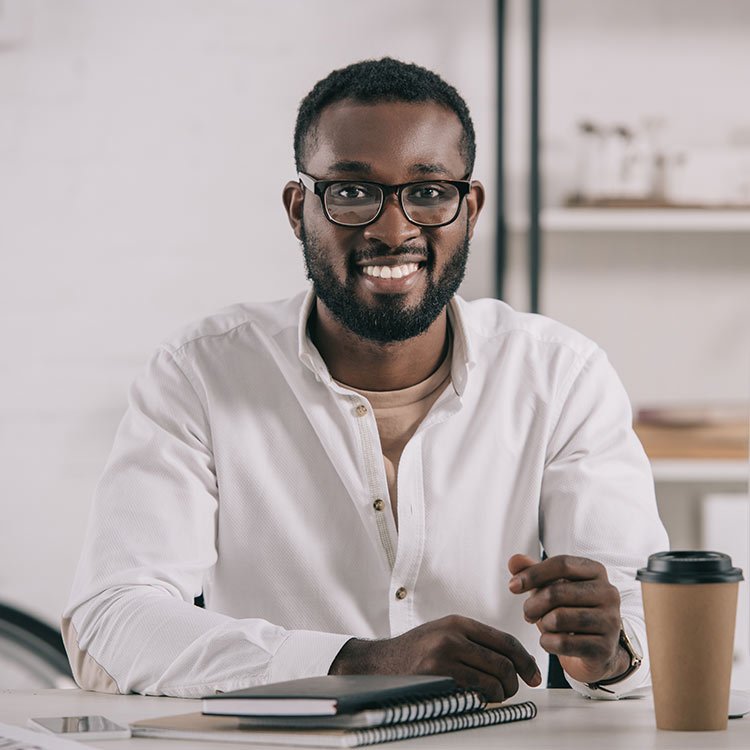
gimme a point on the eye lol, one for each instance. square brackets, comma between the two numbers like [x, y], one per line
[428, 192]
[352, 192]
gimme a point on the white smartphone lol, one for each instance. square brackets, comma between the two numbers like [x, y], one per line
[80, 727]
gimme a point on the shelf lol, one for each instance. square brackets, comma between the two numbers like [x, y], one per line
[637, 220]
[709, 452]
[700, 470]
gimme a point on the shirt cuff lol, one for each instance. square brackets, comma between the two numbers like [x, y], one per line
[635, 681]
[305, 653]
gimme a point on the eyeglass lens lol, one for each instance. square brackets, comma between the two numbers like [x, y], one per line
[427, 203]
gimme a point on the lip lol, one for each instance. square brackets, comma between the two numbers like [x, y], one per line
[392, 260]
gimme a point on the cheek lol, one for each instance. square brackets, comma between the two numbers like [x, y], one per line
[445, 246]
[338, 249]
[331, 242]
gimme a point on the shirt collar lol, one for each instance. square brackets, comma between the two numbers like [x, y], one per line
[463, 350]
[307, 351]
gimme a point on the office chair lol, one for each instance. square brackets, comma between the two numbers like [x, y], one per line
[32, 654]
[555, 674]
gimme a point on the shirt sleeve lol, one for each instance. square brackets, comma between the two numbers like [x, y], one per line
[597, 497]
[130, 624]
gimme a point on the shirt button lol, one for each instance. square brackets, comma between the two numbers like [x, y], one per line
[378, 504]
[361, 410]
[401, 593]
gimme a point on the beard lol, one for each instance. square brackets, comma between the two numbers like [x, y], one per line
[388, 319]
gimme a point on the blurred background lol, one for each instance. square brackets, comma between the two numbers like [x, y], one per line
[144, 145]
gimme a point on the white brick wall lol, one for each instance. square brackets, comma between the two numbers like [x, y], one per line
[143, 148]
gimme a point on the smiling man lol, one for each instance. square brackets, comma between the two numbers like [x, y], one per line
[362, 479]
[390, 279]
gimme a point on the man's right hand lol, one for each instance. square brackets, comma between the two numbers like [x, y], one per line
[475, 655]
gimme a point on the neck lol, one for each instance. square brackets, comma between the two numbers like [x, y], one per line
[374, 366]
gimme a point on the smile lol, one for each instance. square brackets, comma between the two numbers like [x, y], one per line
[391, 278]
[391, 272]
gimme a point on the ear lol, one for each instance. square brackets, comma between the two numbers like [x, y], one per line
[293, 197]
[474, 202]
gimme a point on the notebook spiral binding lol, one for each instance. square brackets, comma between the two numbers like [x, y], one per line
[432, 706]
[451, 723]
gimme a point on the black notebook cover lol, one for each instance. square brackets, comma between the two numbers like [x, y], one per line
[326, 695]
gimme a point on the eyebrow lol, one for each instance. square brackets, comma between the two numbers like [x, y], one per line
[435, 168]
[363, 167]
[360, 167]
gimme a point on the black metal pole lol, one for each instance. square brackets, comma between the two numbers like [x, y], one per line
[535, 239]
[501, 228]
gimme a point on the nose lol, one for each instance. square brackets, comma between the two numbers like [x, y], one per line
[392, 228]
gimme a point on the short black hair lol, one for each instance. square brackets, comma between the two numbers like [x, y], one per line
[384, 80]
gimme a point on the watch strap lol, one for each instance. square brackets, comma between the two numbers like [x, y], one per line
[635, 661]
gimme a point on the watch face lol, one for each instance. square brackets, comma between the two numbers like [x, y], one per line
[627, 644]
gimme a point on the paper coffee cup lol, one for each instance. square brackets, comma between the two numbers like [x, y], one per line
[690, 605]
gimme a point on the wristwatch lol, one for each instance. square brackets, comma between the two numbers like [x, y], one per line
[635, 662]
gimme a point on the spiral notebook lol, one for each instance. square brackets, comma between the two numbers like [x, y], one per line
[389, 712]
[204, 728]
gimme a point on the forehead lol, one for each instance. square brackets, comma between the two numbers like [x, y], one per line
[387, 141]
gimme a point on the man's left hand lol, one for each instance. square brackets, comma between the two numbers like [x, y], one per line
[577, 611]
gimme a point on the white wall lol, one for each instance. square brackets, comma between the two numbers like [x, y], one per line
[143, 148]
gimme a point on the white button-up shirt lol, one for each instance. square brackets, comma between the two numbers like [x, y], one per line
[242, 471]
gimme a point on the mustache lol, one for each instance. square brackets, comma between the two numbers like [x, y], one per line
[379, 250]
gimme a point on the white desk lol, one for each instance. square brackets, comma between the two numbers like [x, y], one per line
[565, 721]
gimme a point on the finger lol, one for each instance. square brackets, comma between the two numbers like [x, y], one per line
[592, 648]
[517, 563]
[474, 679]
[498, 666]
[570, 594]
[553, 569]
[579, 620]
[505, 645]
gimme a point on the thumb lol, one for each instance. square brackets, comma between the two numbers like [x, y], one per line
[517, 563]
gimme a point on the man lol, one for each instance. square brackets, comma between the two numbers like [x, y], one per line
[347, 476]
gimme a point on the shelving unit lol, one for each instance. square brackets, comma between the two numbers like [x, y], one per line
[690, 480]
[540, 220]
[533, 225]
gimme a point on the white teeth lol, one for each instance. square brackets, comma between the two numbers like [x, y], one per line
[390, 272]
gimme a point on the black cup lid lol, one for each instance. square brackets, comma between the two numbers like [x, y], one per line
[689, 566]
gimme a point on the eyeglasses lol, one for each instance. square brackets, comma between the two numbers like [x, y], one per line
[356, 203]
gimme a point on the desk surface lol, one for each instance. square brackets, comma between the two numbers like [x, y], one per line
[565, 720]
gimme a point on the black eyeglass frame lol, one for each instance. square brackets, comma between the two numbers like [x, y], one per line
[319, 187]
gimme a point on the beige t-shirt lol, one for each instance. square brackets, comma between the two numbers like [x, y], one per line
[399, 413]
